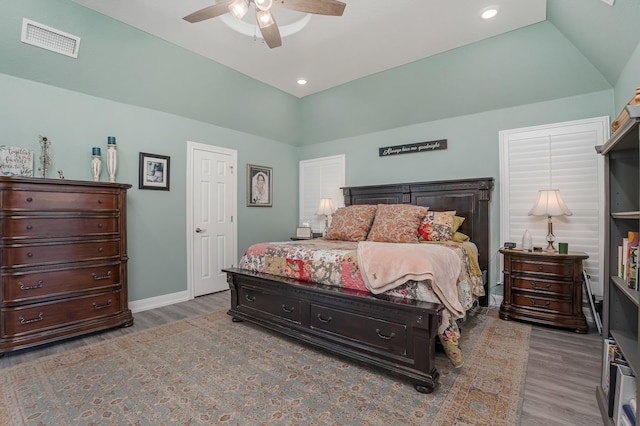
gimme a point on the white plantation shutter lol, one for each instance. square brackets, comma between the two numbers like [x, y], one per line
[556, 156]
[320, 178]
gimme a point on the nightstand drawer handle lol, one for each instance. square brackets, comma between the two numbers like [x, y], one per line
[39, 284]
[29, 227]
[540, 268]
[288, 310]
[538, 305]
[29, 321]
[385, 337]
[98, 307]
[250, 297]
[536, 286]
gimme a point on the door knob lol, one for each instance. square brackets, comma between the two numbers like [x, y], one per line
[198, 230]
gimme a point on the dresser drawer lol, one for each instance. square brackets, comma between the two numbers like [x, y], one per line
[283, 307]
[372, 331]
[561, 288]
[58, 201]
[542, 303]
[27, 287]
[558, 269]
[33, 227]
[44, 254]
[35, 318]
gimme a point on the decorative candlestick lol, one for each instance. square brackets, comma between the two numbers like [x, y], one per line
[96, 164]
[45, 155]
[112, 158]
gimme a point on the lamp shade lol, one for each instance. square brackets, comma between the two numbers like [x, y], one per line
[549, 203]
[325, 207]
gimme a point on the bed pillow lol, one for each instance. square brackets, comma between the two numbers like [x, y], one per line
[396, 223]
[457, 223]
[459, 237]
[437, 226]
[351, 223]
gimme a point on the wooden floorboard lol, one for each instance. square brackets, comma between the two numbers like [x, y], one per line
[562, 374]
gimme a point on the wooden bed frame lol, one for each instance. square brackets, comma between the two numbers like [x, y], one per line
[397, 335]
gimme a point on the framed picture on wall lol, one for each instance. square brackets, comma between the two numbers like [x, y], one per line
[154, 172]
[259, 186]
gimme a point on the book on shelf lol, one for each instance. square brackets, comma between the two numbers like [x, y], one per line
[629, 414]
[631, 259]
[625, 390]
[625, 254]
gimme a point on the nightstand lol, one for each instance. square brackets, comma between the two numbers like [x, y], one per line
[544, 288]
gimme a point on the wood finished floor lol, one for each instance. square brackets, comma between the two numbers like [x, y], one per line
[562, 374]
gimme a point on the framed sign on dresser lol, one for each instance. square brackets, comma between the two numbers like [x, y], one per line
[63, 260]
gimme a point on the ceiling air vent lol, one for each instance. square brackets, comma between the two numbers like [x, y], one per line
[49, 38]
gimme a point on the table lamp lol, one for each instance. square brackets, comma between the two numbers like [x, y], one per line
[550, 203]
[325, 209]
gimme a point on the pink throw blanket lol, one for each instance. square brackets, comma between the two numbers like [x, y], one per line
[385, 266]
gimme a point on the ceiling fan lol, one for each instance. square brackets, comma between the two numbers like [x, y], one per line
[265, 19]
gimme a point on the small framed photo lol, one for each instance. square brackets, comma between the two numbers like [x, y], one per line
[259, 186]
[304, 232]
[154, 172]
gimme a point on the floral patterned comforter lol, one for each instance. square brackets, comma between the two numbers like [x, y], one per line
[336, 263]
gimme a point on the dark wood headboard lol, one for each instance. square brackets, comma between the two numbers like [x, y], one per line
[468, 197]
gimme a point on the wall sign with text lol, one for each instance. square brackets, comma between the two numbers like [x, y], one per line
[412, 148]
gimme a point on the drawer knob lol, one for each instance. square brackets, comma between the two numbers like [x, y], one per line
[29, 199]
[97, 277]
[98, 307]
[100, 201]
[540, 305]
[22, 286]
[100, 249]
[99, 226]
[29, 254]
[324, 320]
[287, 309]
[29, 227]
[540, 268]
[29, 321]
[537, 286]
[250, 297]
[385, 337]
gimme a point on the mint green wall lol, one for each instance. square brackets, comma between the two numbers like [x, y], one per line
[625, 88]
[124, 64]
[473, 148]
[75, 122]
[533, 64]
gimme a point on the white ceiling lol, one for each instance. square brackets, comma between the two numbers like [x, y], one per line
[371, 36]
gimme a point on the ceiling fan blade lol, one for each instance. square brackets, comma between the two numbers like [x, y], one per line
[209, 12]
[271, 35]
[318, 7]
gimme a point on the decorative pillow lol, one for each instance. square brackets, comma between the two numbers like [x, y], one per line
[351, 223]
[396, 223]
[459, 237]
[437, 226]
[457, 223]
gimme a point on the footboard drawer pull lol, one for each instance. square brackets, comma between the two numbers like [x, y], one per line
[540, 305]
[324, 320]
[250, 297]
[103, 277]
[382, 336]
[29, 321]
[22, 286]
[288, 310]
[98, 307]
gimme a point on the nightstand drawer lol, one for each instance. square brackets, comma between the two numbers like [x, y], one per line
[561, 288]
[558, 269]
[542, 303]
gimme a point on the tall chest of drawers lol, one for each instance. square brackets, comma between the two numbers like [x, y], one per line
[544, 288]
[63, 260]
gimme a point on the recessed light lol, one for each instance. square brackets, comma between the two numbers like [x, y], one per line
[302, 81]
[489, 12]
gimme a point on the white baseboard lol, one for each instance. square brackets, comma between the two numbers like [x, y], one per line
[158, 301]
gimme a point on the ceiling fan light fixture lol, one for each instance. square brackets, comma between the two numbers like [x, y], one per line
[263, 4]
[265, 19]
[239, 8]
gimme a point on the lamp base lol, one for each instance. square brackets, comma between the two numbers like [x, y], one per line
[550, 238]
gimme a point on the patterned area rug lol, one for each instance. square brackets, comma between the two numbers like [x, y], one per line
[208, 370]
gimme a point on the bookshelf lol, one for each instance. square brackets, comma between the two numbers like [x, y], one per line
[621, 310]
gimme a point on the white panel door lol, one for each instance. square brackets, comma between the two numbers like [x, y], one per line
[213, 233]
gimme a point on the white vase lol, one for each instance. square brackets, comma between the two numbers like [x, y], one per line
[112, 162]
[527, 243]
[96, 167]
